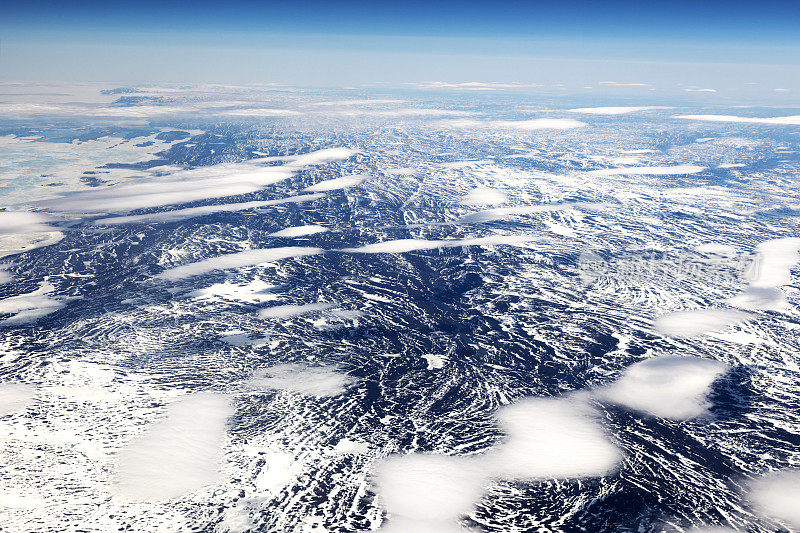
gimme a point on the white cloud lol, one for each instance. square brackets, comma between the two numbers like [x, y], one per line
[472, 85]
[551, 437]
[484, 196]
[774, 263]
[540, 124]
[357, 102]
[237, 260]
[429, 487]
[771, 270]
[545, 438]
[14, 397]
[777, 496]
[215, 181]
[260, 112]
[145, 111]
[698, 321]
[693, 90]
[337, 183]
[502, 213]
[322, 157]
[21, 231]
[409, 245]
[191, 212]
[28, 308]
[177, 455]
[23, 222]
[141, 111]
[399, 113]
[617, 84]
[527, 125]
[288, 310]
[615, 110]
[319, 381]
[793, 120]
[5, 275]
[668, 387]
[764, 298]
[187, 186]
[648, 171]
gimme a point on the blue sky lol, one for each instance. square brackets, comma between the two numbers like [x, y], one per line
[729, 20]
[334, 43]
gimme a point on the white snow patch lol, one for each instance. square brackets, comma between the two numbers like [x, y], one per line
[540, 124]
[401, 524]
[560, 229]
[716, 249]
[14, 498]
[316, 381]
[347, 446]
[299, 231]
[15, 397]
[400, 171]
[255, 291]
[434, 361]
[289, 310]
[279, 470]
[240, 338]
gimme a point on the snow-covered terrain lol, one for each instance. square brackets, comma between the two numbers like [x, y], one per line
[254, 309]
